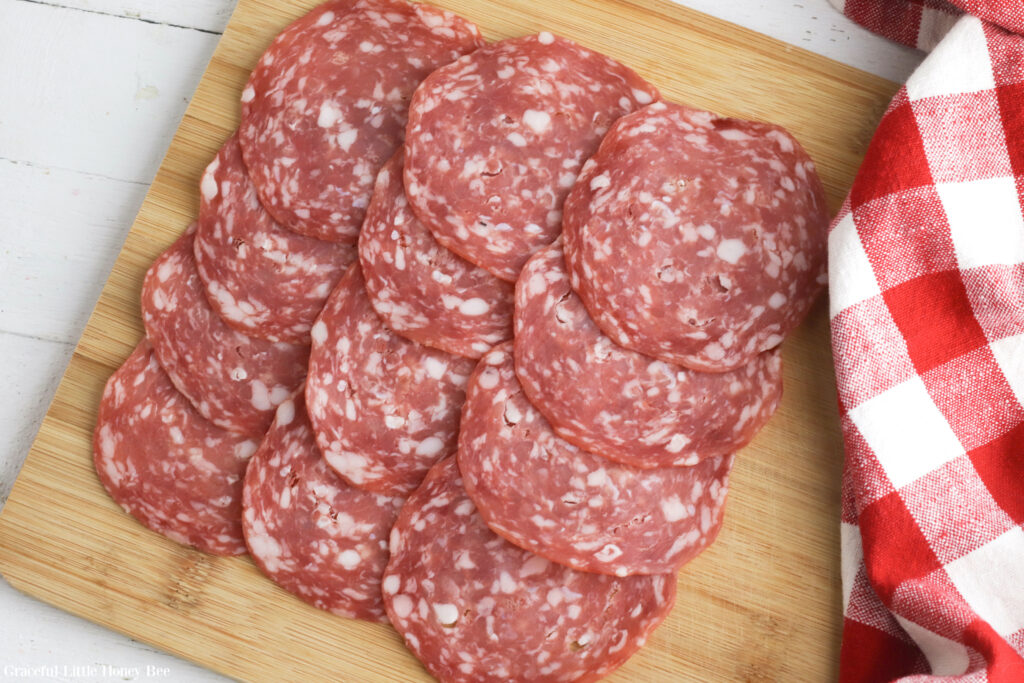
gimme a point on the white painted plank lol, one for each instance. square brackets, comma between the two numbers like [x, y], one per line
[204, 15]
[41, 643]
[91, 92]
[64, 230]
[817, 26]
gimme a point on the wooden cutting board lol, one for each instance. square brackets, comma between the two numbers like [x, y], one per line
[762, 604]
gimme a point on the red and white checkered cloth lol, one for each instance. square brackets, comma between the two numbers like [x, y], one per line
[923, 23]
[927, 304]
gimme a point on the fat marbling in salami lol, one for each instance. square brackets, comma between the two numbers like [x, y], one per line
[579, 509]
[326, 106]
[308, 530]
[476, 609]
[263, 280]
[235, 381]
[697, 239]
[422, 290]
[167, 465]
[496, 139]
[384, 409]
[621, 404]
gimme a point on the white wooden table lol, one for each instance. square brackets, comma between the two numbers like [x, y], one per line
[91, 92]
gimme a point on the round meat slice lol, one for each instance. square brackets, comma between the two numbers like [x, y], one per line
[165, 464]
[235, 381]
[477, 609]
[621, 404]
[495, 141]
[581, 510]
[696, 239]
[422, 290]
[384, 409]
[263, 280]
[308, 530]
[327, 104]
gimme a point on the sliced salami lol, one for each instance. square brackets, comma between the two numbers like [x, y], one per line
[165, 464]
[582, 510]
[621, 404]
[696, 239]
[234, 380]
[384, 409]
[475, 608]
[422, 290]
[308, 530]
[495, 141]
[261, 279]
[327, 103]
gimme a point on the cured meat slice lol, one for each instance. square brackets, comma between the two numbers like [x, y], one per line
[495, 141]
[327, 103]
[621, 404]
[582, 510]
[696, 239]
[235, 381]
[384, 409]
[261, 279]
[308, 530]
[422, 290]
[165, 464]
[475, 608]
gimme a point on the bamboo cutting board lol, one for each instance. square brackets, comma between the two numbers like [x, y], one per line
[762, 604]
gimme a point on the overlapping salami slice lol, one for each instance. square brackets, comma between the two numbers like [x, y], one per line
[696, 239]
[422, 290]
[495, 141]
[308, 530]
[580, 510]
[621, 404]
[234, 380]
[165, 464]
[326, 106]
[384, 409]
[262, 280]
[477, 609]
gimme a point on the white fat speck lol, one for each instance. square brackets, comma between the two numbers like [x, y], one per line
[446, 613]
[176, 435]
[474, 306]
[285, 413]
[319, 332]
[325, 18]
[516, 139]
[506, 72]
[302, 213]
[349, 559]
[677, 443]
[545, 38]
[512, 414]
[260, 396]
[366, 46]
[329, 114]
[731, 251]
[391, 584]
[777, 300]
[507, 583]
[488, 379]
[402, 606]
[394, 421]
[248, 95]
[673, 509]
[597, 477]
[600, 181]
[642, 96]
[208, 186]
[429, 447]
[608, 553]
[538, 121]
[733, 134]
[535, 565]
[435, 368]
[346, 138]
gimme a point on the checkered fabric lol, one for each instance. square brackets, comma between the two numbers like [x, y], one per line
[927, 308]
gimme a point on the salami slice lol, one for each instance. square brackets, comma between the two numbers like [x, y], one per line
[621, 404]
[495, 141]
[422, 290]
[696, 239]
[581, 510]
[327, 103]
[308, 530]
[165, 464]
[384, 409]
[477, 609]
[235, 381]
[261, 279]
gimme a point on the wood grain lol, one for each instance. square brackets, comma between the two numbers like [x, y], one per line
[762, 604]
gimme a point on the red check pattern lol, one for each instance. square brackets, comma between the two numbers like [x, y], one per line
[927, 306]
